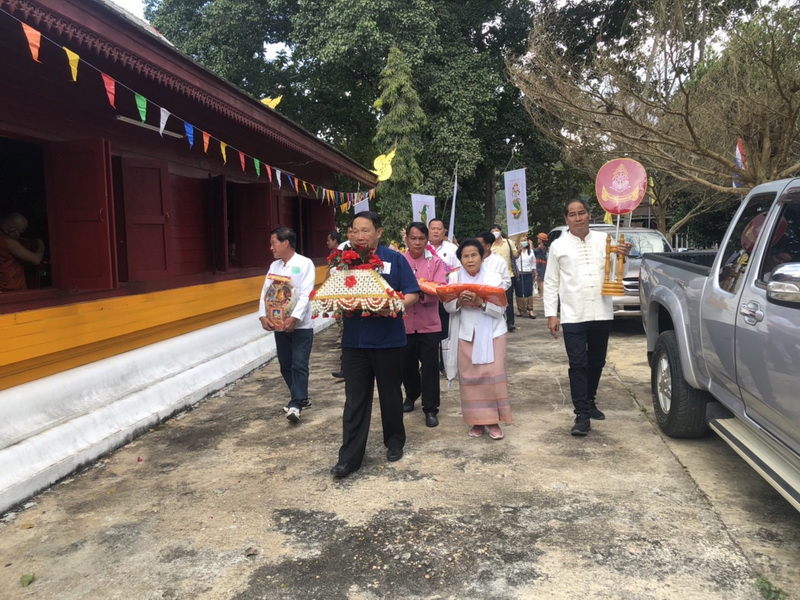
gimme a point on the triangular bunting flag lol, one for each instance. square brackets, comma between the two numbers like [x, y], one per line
[111, 89]
[223, 147]
[296, 186]
[206, 139]
[34, 40]
[73, 59]
[163, 121]
[141, 104]
[305, 188]
[189, 133]
[278, 176]
[269, 173]
[241, 159]
[257, 165]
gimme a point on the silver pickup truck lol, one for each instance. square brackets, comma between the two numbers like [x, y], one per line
[723, 336]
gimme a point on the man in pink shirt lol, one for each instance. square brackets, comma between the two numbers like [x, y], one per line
[423, 328]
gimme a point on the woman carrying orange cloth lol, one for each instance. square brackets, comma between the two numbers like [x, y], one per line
[478, 329]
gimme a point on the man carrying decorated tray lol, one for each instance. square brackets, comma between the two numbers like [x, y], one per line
[373, 347]
[285, 309]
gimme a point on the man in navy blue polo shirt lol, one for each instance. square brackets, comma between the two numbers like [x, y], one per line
[372, 351]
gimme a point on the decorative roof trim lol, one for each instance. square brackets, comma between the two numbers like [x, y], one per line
[46, 20]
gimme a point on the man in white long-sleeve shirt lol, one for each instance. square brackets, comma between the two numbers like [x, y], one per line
[294, 333]
[574, 275]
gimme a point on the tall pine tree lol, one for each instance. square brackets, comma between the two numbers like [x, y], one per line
[399, 127]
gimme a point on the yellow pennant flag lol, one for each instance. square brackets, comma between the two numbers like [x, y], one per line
[223, 147]
[272, 102]
[73, 62]
[608, 219]
[383, 166]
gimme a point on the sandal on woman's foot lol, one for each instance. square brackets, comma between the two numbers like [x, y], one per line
[532, 316]
[495, 432]
[476, 430]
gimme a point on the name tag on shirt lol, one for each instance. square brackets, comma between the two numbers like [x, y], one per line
[387, 268]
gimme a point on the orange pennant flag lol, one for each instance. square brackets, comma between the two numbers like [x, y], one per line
[73, 59]
[206, 139]
[223, 147]
[111, 88]
[34, 40]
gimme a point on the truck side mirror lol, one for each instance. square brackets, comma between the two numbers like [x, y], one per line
[784, 284]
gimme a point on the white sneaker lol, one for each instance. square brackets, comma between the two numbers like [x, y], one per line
[293, 415]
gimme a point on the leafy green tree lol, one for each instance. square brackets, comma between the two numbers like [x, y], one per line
[660, 103]
[329, 73]
[398, 129]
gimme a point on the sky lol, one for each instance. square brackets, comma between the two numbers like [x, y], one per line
[132, 6]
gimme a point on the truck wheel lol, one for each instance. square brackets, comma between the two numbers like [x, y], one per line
[679, 408]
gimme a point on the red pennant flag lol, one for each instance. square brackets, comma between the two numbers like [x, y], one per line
[241, 159]
[34, 40]
[269, 172]
[206, 139]
[111, 89]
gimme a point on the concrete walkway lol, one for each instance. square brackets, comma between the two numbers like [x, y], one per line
[230, 501]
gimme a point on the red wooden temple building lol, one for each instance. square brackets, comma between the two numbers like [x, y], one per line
[154, 185]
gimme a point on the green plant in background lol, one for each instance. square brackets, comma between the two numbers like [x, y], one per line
[769, 591]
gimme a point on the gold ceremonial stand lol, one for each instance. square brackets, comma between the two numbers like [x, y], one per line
[614, 288]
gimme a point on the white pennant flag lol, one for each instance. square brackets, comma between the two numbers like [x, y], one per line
[278, 175]
[451, 231]
[164, 117]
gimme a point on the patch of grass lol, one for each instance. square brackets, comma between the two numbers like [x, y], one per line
[768, 591]
[643, 408]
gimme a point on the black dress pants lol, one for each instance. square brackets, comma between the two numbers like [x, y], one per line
[363, 367]
[421, 369]
[586, 344]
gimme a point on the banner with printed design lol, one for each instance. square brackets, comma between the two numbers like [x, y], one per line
[423, 208]
[516, 202]
[361, 206]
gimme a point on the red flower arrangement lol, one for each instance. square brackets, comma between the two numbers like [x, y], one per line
[355, 257]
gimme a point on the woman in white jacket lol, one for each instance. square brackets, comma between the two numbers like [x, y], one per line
[477, 329]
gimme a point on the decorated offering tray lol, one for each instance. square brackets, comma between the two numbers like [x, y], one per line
[352, 291]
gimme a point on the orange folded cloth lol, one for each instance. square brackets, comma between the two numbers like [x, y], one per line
[489, 293]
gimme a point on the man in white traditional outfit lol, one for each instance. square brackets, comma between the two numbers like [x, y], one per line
[574, 279]
[294, 333]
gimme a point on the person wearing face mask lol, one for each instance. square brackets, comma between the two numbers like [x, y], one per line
[508, 252]
[541, 261]
[523, 286]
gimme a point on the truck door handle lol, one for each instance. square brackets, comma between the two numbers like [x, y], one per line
[751, 312]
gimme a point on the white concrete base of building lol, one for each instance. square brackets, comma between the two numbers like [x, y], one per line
[53, 426]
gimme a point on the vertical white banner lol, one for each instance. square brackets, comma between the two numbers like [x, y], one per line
[361, 206]
[451, 230]
[423, 208]
[516, 202]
